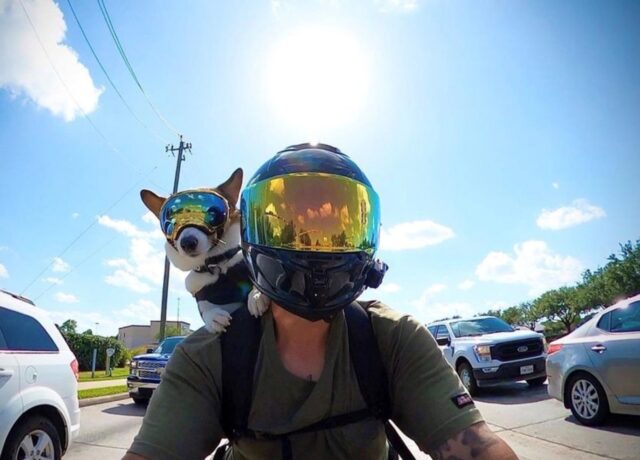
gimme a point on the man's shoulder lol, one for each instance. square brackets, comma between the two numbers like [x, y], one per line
[200, 343]
[384, 316]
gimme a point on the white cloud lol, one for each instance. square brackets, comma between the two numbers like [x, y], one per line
[4, 273]
[25, 68]
[143, 268]
[142, 311]
[65, 298]
[59, 265]
[466, 285]
[52, 280]
[75, 215]
[427, 294]
[414, 235]
[127, 280]
[150, 218]
[396, 6]
[127, 228]
[389, 287]
[555, 185]
[579, 212]
[533, 264]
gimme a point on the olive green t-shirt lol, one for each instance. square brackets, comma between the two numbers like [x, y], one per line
[183, 418]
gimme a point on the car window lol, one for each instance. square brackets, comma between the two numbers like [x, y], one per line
[432, 329]
[442, 333]
[605, 322]
[479, 326]
[166, 347]
[626, 319]
[23, 333]
[3, 343]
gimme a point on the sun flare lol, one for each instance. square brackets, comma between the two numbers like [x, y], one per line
[317, 78]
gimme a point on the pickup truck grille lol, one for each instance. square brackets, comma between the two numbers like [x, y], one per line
[147, 369]
[519, 349]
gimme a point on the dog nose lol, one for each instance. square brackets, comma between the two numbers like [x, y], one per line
[189, 243]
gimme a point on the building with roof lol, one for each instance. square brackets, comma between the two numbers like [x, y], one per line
[135, 335]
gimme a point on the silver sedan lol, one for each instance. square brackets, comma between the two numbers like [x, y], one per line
[595, 369]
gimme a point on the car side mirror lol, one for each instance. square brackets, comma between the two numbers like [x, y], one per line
[444, 341]
[149, 350]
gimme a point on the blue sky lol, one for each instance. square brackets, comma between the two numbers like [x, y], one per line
[502, 137]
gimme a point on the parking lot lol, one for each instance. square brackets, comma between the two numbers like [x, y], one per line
[536, 426]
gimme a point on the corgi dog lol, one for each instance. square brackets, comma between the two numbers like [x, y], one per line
[202, 229]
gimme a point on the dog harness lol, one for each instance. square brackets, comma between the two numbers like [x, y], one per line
[240, 345]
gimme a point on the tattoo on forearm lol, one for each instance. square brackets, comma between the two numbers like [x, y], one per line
[471, 443]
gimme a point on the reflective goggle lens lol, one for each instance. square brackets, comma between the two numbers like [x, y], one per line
[311, 212]
[196, 208]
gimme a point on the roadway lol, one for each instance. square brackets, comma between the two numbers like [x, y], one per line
[536, 426]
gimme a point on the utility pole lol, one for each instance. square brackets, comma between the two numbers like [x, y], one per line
[165, 282]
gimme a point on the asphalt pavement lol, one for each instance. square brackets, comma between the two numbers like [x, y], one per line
[536, 426]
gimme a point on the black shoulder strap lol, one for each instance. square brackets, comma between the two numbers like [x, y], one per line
[239, 347]
[370, 372]
[366, 360]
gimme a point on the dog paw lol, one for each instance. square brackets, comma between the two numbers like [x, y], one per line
[257, 303]
[216, 320]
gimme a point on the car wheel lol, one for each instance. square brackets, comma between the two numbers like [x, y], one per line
[33, 438]
[140, 401]
[587, 400]
[537, 382]
[465, 372]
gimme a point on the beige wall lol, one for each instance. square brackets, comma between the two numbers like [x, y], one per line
[136, 335]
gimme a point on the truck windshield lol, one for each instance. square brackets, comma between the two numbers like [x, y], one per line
[480, 326]
[167, 346]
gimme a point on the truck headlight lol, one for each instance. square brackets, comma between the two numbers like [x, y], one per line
[483, 352]
[133, 365]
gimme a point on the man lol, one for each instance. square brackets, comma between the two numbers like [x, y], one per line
[310, 228]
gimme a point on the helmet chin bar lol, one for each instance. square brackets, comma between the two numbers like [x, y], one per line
[314, 286]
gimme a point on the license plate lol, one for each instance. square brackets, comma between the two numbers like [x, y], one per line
[524, 370]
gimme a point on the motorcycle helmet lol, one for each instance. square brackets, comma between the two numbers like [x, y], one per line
[310, 230]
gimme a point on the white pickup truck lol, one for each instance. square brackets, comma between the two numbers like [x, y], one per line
[486, 351]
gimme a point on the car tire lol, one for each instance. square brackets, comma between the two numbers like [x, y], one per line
[587, 399]
[538, 382]
[141, 401]
[39, 432]
[465, 372]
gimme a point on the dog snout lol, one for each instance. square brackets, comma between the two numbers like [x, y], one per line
[189, 243]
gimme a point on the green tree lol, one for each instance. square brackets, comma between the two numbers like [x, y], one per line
[564, 305]
[69, 326]
[88, 332]
[497, 313]
[513, 315]
[170, 331]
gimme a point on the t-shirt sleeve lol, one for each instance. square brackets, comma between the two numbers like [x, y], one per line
[182, 420]
[423, 387]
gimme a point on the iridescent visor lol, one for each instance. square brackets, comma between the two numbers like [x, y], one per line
[311, 212]
[202, 209]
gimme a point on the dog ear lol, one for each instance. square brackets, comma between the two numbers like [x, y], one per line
[231, 188]
[152, 201]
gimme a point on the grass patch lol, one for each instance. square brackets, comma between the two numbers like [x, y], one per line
[118, 373]
[106, 391]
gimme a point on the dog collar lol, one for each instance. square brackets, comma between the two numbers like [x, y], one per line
[211, 263]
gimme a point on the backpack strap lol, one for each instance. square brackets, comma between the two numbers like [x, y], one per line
[370, 372]
[366, 360]
[239, 348]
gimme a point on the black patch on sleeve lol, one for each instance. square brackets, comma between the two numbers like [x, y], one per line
[462, 400]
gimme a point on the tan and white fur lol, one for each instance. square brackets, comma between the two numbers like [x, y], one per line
[193, 247]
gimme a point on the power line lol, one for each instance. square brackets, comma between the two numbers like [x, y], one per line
[95, 55]
[83, 232]
[123, 55]
[70, 94]
[76, 266]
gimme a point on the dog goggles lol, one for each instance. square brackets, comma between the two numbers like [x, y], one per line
[311, 212]
[203, 209]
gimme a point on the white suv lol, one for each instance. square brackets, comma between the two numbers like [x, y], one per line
[486, 351]
[39, 412]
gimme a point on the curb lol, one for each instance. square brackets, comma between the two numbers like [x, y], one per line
[103, 399]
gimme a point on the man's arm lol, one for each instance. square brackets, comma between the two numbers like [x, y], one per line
[477, 442]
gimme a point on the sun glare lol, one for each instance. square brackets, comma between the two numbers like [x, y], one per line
[317, 78]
